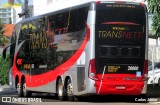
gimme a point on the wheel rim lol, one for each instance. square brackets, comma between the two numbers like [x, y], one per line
[60, 90]
[18, 87]
[70, 89]
[24, 88]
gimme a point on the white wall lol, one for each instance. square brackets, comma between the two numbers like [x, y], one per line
[150, 21]
[39, 7]
[14, 14]
[43, 6]
[18, 10]
[153, 42]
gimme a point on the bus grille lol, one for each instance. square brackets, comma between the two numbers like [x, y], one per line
[117, 55]
[115, 51]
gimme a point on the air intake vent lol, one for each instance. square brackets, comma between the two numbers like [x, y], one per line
[114, 51]
[121, 52]
[103, 50]
[135, 51]
[124, 51]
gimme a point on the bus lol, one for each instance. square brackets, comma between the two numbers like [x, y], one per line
[93, 48]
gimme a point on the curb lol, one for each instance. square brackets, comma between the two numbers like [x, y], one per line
[155, 103]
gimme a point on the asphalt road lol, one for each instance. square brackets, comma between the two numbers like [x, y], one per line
[50, 99]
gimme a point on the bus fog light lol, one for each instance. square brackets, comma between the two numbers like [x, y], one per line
[92, 75]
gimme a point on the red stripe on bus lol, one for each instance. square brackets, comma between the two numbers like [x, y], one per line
[120, 23]
[50, 76]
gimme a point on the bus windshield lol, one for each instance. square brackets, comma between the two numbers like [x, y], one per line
[120, 37]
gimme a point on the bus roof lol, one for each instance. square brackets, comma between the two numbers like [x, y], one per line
[56, 8]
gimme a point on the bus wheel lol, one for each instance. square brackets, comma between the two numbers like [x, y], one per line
[19, 90]
[26, 93]
[60, 90]
[70, 95]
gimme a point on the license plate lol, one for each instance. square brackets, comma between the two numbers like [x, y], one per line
[120, 87]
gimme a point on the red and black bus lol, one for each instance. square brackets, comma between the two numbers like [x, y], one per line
[91, 48]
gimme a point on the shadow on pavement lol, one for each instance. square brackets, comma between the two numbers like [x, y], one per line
[7, 90]
[153, 91]
[114, 98]
[3, 103]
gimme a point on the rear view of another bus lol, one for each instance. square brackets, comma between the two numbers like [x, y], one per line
[120, 48]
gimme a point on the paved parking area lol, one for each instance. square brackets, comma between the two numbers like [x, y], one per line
[6, 89]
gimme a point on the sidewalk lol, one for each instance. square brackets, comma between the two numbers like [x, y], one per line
[4, 89]
[155, 103]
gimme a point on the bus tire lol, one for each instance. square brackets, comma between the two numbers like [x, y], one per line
[70, 95]
[19, 90]
[159, 82]
[26, 93]
[60, 90]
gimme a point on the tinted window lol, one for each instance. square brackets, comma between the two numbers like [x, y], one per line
[70, 21]
[120, 13]
[120, 23]
[48, 41]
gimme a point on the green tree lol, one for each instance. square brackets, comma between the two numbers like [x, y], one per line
[4, 63]
[4, 70]
[3, 38]
[156, 24]
[154, 7]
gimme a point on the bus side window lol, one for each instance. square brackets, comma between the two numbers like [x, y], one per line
[81, 18]
[60, 23]
[72, 20]
[77, 19]
[24, 32]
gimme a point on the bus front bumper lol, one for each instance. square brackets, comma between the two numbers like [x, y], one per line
[120, 88]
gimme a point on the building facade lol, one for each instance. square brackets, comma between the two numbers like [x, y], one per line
[9, 15]
[6, 14]
[11, 2]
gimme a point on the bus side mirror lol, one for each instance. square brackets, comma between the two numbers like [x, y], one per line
[4, 51]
